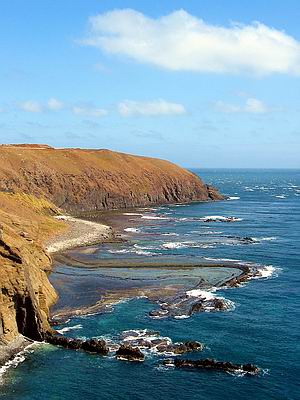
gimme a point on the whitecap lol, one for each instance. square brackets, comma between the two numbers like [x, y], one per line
[129, 213]
[266, 272]
[132, 230]
[153, 217]
[174, 245]
[219, 218]
[69, 328]
[201, 294]
[18, 359]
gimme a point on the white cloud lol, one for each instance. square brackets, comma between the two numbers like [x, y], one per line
[89, 111]
[251, 105]
[180, 41]
[54, 104]
[150, 108]
[31, 106]
[255, 106]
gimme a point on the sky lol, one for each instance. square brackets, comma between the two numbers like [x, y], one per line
[203, 83]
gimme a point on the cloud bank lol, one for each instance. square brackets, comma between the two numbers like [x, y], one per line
[149, 108]
[251, 105]
[182, 42]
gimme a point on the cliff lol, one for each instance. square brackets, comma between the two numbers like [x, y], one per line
[77, 179]
[26, 293]
[36, 181]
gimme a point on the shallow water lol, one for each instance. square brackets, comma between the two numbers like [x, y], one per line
[262, 329]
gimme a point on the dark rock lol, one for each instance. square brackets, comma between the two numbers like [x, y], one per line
[91, 345]
[213, 365]
[127, 352]
[95, 346]
[180, 348]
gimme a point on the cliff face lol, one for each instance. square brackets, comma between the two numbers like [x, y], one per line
[84, 180]
[26, 292]
[34, 180]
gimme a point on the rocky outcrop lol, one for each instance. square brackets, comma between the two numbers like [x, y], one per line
[90, 345]
[211, 364]
[129, 353]
[26, 293]
[85, 180]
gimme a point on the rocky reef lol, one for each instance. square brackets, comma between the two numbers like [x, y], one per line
[211, 364]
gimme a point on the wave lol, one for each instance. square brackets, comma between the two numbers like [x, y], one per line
[69, 328]
[153, 217]
[202, 294]
[264, 239]
[18, 359]
[170, 234]
[233, 198]
[137, 251]
[132, 230]
[183, 245]
[268, 271]
[129, 213]
[219, 218]
[281, 196]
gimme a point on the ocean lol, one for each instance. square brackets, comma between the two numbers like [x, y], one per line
[261, 326]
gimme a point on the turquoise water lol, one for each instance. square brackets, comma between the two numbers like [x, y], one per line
[262, 329]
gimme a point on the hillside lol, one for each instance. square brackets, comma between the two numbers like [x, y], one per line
[77, 179]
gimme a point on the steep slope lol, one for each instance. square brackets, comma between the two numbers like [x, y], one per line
[26, 292]
[77, 179]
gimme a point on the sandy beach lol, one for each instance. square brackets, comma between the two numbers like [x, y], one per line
[80, 233]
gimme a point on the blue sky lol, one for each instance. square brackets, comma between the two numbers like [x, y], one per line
[203, 83]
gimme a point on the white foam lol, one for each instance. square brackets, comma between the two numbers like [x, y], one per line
[233, 198]
[69, 328]
[266, 272]
[220, 218]
[133, 230]
[184, 316]
[264, 239]
[153, 217]
[174, 245]
[201, 294]
[129, 213]
[170, 234]
[18, 359]
[128, 251]
[281, 196]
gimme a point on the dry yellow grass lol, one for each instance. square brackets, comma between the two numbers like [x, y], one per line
[30, 214]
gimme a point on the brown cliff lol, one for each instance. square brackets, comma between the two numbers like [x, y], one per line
[77, 179]
[26, 293]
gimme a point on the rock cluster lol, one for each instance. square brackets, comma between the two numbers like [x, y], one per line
[129, 353]
[211, 364]
[90, 345]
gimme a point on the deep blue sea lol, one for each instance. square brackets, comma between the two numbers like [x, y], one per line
[262, 328]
